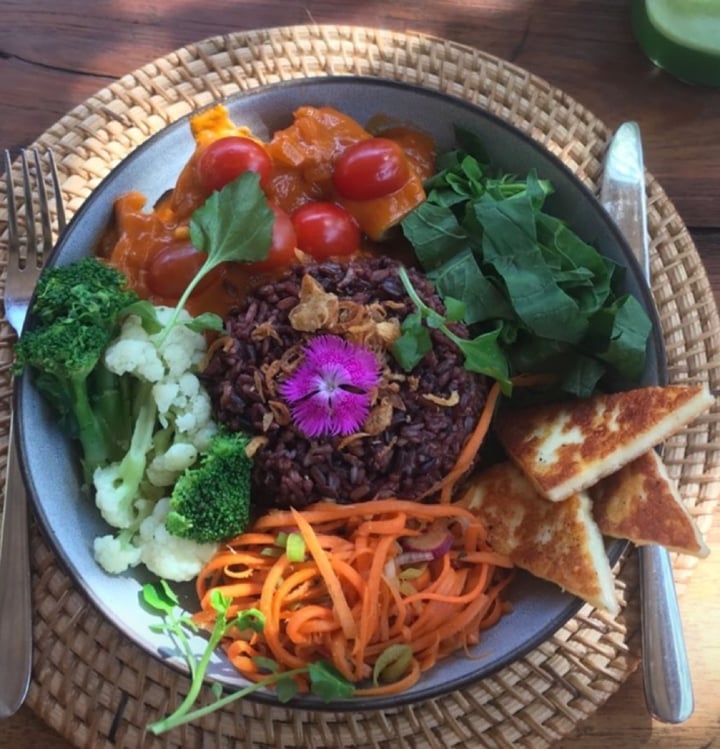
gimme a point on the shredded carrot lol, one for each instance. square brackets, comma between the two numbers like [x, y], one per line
[466, 460]
[469, 452]
[358, 590]
[342, 609]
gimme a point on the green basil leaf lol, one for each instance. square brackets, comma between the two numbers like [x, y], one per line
[413, 344]
[461, 278]
[627, 342]
[580, 268]
[529, 353]
[510, 246]
[484, 355]
[550, 300]
[454, 309]
[435, 233]
[581, 375]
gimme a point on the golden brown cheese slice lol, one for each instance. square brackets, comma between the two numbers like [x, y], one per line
[640, 503]
[566, 447]
[556, 541]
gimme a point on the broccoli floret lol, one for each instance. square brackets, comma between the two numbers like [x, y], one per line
[87, 291]
[75, 314]
[211, 502]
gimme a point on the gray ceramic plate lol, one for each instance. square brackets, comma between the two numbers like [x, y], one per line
[50, 464]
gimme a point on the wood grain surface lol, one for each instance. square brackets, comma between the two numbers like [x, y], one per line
[54, 54]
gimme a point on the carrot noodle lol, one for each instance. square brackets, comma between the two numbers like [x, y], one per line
[342, 608]
[470, 449]
[357, 592]
[466, 460]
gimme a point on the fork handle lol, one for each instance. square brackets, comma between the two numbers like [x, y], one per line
[15, 591]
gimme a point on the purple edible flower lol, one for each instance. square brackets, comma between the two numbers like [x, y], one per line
[330, 391]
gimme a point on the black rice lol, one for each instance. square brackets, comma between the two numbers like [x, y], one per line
[423, 439]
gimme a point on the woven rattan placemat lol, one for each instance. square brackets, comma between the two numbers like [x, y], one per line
[99, 690]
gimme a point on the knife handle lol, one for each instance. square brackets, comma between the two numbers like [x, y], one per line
[667, 680]
[15, 591]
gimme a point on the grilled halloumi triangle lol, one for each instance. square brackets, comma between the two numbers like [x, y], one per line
[556, 541]
[566, 447]
[640, 503]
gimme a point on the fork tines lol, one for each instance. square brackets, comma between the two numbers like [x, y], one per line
[31, 251]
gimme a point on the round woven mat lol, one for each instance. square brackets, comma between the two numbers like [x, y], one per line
[98, 689]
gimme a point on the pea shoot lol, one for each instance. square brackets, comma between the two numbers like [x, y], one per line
[325, 681]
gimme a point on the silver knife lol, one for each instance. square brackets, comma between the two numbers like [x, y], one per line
[15, 591]
[666, 673]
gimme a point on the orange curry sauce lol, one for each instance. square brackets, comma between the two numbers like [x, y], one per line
[302, 156]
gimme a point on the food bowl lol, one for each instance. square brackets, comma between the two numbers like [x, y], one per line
[49, 461]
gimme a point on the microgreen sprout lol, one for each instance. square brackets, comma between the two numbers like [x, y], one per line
[325, 681]
[233, 224]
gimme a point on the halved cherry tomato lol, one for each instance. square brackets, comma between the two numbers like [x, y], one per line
[171, 269]
[282, 247]
[325, 229]
[225, 159]
[371, 169]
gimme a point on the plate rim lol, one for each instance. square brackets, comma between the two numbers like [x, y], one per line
[308, 701]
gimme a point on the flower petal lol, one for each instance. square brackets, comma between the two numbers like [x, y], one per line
[348, 412]
[312, 416]
[329, 392]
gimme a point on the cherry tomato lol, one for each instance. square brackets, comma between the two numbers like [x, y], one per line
[325, 229]
[171, 269]
[370, 169]
[225, 159]
[282, 246]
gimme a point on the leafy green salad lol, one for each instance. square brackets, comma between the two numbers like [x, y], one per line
[536, 297]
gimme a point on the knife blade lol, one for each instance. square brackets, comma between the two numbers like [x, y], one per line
[666, 673]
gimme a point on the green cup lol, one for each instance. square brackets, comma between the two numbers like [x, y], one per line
[681, 36]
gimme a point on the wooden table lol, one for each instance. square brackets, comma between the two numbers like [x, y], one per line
[56, 53]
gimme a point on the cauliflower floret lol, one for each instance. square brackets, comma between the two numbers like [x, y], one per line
[178, 425]
[165, 468]
[201, 437]
[170, 557]
[185, 404]
[183, 349]
[194, 414]
[165, 394]
[115, 554]
[116, 508]
[133, 351]
[148, 542]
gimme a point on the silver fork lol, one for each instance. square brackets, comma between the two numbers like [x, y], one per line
[26, 255]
